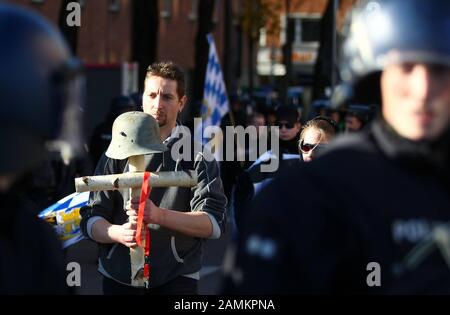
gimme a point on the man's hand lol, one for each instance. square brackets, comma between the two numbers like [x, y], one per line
[126, 234]
[107, 233]
[196, 224]
[152, 213]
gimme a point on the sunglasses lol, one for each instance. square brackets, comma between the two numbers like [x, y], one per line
[287, 125]
[309, 147]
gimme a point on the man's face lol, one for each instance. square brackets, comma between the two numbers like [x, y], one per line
[416, 100]
[161, 100]
[271, 119]
[258, 121]
[334, 115]
[288, 130]
[352, 123]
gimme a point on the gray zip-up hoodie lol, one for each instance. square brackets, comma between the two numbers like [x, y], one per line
[172, 253]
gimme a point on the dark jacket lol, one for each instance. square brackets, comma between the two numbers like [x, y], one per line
[374, 197]
[31, 257]
[100, 140]
[172, 253]
[252, 180]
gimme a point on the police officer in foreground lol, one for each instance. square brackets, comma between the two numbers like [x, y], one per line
[385, 229]
[40, 89]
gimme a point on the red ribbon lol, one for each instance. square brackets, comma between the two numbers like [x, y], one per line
[147, 254]
[145, 193]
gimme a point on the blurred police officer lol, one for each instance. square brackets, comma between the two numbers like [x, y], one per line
[383, 229]
[39, 86]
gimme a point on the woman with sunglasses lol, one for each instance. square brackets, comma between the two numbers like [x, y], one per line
[315, 136]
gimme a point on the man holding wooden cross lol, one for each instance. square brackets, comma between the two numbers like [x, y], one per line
[186, 216]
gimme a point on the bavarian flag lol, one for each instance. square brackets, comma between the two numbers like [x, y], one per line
[65, 217]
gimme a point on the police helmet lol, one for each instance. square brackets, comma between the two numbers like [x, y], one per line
[382, 33]
[41, 86]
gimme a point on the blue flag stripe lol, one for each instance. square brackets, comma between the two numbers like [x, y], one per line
[215, 98]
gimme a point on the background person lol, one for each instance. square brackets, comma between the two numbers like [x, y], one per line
[187, 217]
[314, 137]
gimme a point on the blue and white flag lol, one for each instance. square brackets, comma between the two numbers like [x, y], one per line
[65, 217]
[215, 98]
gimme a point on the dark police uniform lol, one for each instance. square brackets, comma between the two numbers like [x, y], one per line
[374, 198]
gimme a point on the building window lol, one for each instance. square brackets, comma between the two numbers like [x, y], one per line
[194, 9]
[310, 30]
[302, 29]
[166, 12]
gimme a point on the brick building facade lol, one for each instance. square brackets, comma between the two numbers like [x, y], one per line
[105, 33]
[303, 19]
[105, 38]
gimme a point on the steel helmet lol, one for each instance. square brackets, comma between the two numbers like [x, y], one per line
[40, 91]
[134, 133]
[382, 33]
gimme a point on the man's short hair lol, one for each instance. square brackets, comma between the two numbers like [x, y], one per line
[171, 71]
[256, 114]
[287, 113]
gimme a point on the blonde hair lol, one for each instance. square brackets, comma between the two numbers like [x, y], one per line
[326, 129]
